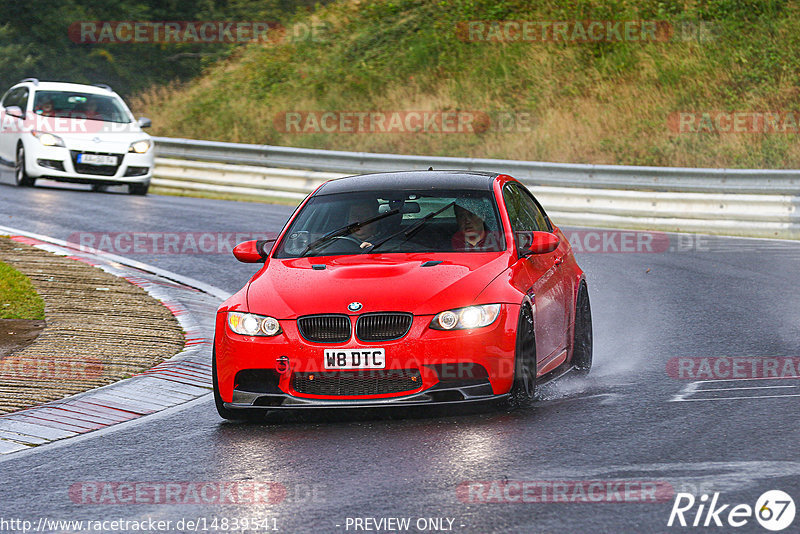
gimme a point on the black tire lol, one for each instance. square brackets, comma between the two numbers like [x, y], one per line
[582, 336]
[20, 176]
[138, 189]
[523, 391]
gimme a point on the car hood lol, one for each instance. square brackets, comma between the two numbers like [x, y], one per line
[289, 288]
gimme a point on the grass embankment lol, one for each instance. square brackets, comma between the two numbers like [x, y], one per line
[599, 102]
[18, 298]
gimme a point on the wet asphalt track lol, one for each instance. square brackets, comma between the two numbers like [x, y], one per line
[721, 297]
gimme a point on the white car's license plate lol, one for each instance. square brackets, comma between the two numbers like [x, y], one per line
[355, 358]
[97, 159]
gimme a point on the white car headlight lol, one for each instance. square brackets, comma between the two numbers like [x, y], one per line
[466, 318]
[250, 324]
[48, 139]
[140, 147]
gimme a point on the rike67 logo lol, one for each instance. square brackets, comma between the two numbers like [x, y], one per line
[774, 510]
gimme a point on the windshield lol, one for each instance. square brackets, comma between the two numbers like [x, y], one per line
[394, 221]
[80, 106]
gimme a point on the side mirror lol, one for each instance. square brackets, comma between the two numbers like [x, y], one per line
[15, 111]
[253, 251]
[144, 122]
[541, 243]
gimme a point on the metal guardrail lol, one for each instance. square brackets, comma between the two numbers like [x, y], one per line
[757, 203]
[243, 179]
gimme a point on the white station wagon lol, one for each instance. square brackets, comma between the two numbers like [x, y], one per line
[74, 133]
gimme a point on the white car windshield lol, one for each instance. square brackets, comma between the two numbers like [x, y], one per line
[80, 106]
[394, 221]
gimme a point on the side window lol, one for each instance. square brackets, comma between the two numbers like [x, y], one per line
[521, 221]
[536, 210]
[522, 211]
[16, 97]
[524, 214]
[23, 99]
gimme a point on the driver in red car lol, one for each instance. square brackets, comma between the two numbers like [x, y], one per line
[362, 211]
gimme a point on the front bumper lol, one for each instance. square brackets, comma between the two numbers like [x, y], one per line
[458, 366]
[60, 163]
[435, 395]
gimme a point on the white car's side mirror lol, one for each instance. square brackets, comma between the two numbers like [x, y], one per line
[15, 111]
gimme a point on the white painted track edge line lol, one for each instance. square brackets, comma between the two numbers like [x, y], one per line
[107, 430]
[736, 398]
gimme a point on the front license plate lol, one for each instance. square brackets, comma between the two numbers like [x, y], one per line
[97, 159]
[355, 358]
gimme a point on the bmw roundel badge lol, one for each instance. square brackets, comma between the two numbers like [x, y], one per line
[354, 306]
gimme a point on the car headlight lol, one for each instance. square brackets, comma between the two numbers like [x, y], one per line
[249, 324]
[48, 139]
[140, 147]
[466, 318]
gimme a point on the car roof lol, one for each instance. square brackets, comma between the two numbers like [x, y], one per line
[65, 86]
[417, 180]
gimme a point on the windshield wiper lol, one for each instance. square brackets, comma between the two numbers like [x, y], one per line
[345, 230]
[408, 233]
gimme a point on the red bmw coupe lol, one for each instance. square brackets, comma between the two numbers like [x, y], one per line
[402, 289]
